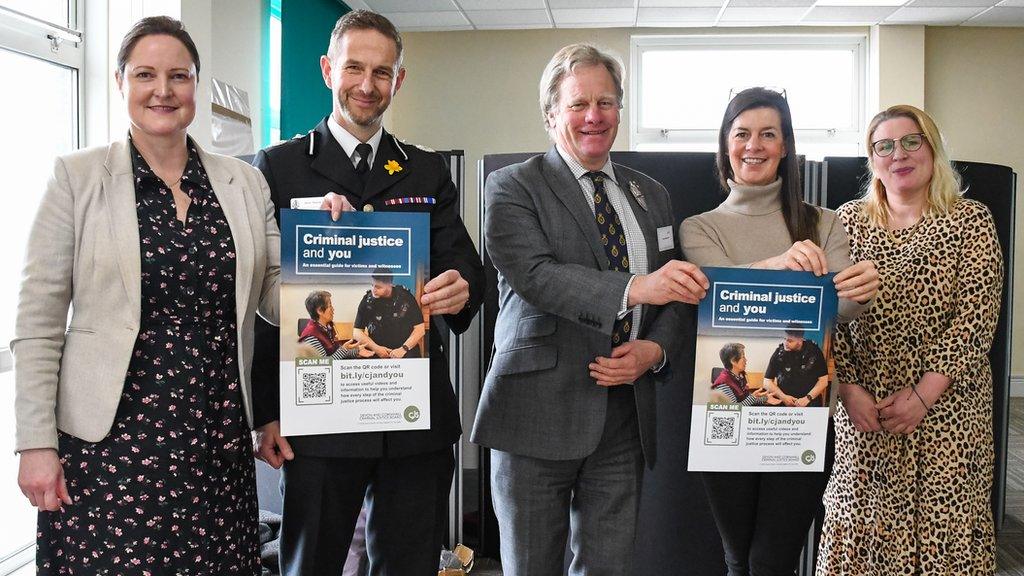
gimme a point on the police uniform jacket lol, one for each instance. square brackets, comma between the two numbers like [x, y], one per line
[312, 166]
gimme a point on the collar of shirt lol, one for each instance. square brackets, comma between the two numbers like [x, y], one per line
[143, 172]
[578, 170]
[349, 142]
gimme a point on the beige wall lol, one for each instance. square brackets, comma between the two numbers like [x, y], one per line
[478, 91]
[974, 83]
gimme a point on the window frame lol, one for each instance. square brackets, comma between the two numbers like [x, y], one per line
[55, 44]
[62, 46]
[685, 138]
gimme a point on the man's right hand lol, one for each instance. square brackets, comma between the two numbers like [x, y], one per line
[41, 479]
[271, 447]
[676, 281]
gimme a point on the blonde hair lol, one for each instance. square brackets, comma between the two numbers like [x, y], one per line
[945, 188]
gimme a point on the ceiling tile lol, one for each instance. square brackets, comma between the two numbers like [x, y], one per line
[933, 16]
[771, 3]
[676, 16]
[468, 5]
[589, 4]
[583, 18]
[391, 6]
[952, 3]
[999, 16]
[762, 15]
[861, 3]
[1011, 3]
[409, 20]
[848, 15]
[509, 18]
[681, 3]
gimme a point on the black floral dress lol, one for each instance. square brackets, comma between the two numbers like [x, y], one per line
[171, 489]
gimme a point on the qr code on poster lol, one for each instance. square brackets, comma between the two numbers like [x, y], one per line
[313, 384]
[722, 428]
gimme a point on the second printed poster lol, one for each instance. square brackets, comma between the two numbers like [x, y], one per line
[353, 335]
[763, 372]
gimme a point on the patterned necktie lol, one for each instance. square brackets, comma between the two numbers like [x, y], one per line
[613, 238]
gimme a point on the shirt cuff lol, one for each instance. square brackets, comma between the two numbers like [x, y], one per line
[625, 308]
[664, 360]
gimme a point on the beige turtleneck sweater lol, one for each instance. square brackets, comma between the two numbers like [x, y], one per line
[748, 227]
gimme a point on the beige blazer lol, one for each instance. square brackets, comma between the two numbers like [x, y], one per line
[83, 251]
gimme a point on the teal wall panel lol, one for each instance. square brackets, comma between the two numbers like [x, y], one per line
[305, 32]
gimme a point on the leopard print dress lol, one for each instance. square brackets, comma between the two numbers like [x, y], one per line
[919, 503]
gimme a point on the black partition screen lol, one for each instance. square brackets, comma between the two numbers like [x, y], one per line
[676, 532]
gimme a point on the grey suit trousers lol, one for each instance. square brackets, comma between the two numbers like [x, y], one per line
[537, 501]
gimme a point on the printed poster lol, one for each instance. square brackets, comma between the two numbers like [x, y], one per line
[354, 354]
[763, 374]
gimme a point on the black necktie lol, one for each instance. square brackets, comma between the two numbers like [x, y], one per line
[364, 150]
[613, 238]
[363, 167]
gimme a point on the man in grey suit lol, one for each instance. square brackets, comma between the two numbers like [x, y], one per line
[590, 315]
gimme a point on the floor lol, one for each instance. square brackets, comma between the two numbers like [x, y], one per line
[1010, 542]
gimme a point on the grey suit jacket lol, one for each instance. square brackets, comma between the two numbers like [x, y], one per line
[558, 303]
[83, 251]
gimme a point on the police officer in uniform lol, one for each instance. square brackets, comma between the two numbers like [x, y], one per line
[388, 320]
[405, 476]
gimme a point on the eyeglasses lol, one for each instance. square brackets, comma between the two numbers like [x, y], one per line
[887, 146]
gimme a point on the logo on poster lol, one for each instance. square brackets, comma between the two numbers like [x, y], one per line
[412, 414]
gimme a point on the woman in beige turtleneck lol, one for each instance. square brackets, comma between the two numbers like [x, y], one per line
[763, 518]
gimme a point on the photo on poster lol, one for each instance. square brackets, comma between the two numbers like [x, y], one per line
[763, 373]
[353, 344]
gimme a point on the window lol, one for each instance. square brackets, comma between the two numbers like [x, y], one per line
[680, 86]
[41, 53]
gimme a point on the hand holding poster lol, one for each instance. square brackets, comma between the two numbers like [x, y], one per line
[353, 335]
[762, 378]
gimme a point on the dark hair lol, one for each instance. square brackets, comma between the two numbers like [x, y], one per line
[801, 219]
[154, 25]
[383, 275]
[316, 301]
[364, 20]
[731, 352]
[795, 331]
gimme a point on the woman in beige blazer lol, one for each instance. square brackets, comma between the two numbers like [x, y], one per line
[133, 423]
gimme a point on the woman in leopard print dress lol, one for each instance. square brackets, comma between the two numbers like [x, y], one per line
[910, 488]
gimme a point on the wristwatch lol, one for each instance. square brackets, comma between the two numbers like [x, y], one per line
[406, 348]
[809, 398]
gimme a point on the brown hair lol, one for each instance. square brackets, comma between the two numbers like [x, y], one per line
[155, 25]
[801, 218]
[364, 20]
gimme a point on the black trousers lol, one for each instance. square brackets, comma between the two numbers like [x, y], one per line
[763, 517]
[406, 499]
